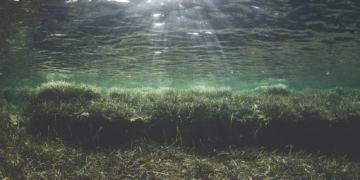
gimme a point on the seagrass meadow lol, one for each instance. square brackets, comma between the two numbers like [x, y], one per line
[67, 130]
[180, 89]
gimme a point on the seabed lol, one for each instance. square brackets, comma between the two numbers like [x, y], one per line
[65, 130]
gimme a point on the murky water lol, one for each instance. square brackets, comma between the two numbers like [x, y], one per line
[236, 43]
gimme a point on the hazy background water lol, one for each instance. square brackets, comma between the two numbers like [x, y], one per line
[137, 43]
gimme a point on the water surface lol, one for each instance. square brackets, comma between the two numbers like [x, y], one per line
[235, 43]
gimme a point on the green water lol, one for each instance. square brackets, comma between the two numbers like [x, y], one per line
[240, 44]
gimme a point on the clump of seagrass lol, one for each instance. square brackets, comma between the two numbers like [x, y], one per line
[273, 116]
[61, 108]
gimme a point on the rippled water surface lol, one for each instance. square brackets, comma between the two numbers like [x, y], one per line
[136, 43]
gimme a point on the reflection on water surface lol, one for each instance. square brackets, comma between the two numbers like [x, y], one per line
[238, 43]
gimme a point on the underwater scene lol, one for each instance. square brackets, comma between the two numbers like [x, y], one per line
[180, 89]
